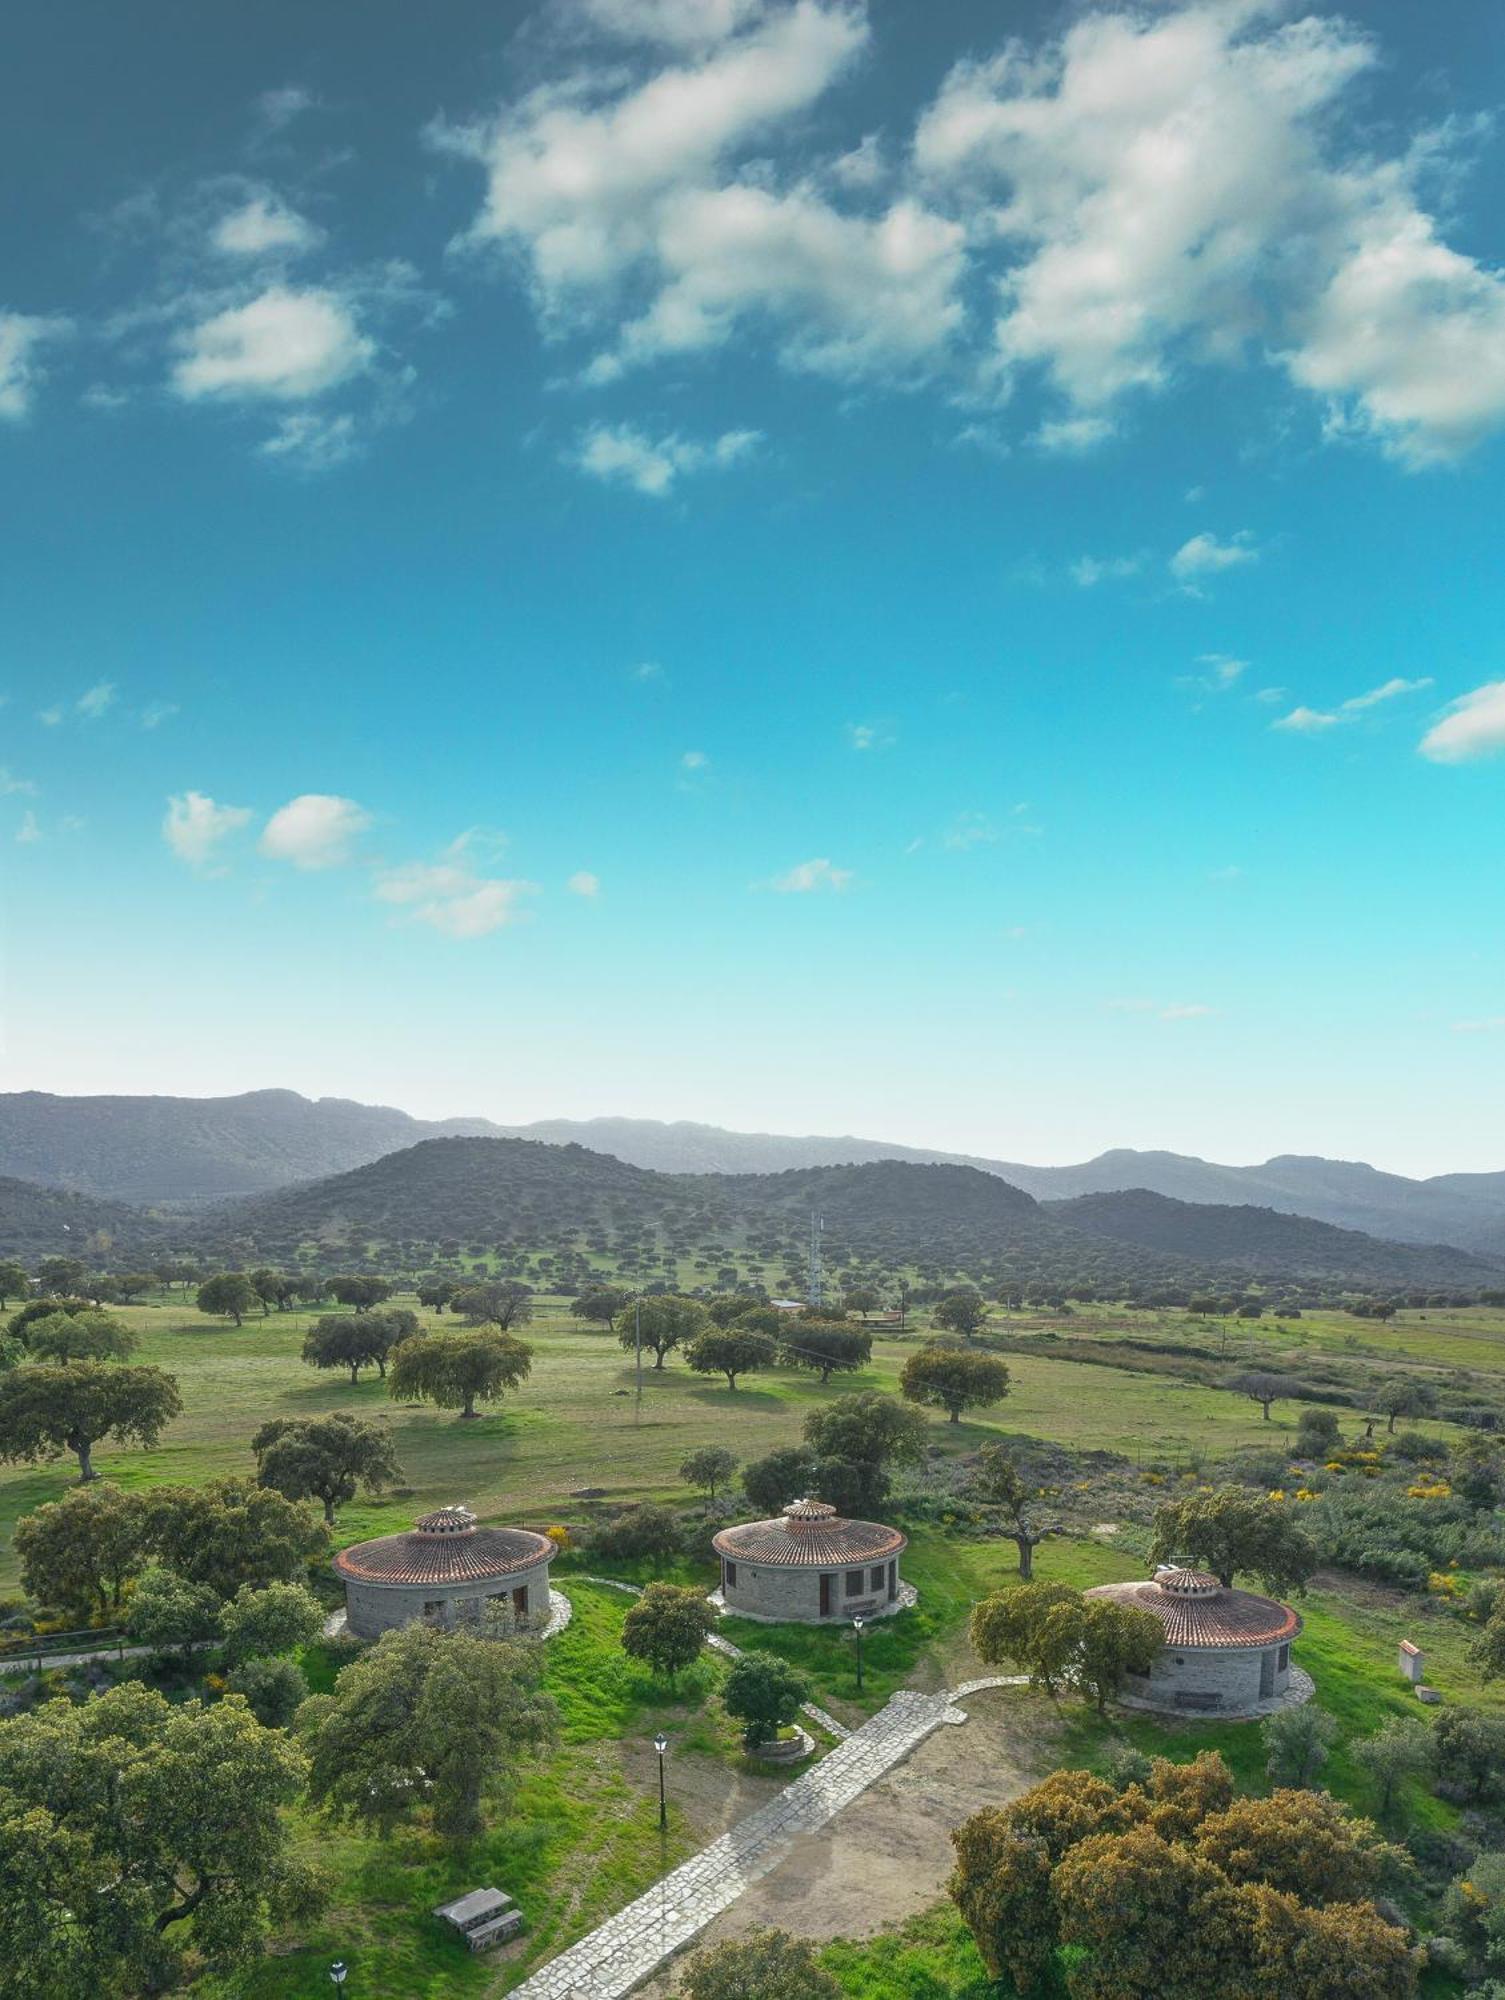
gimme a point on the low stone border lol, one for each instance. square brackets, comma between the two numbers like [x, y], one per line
[799, 1746]
[561, 1611]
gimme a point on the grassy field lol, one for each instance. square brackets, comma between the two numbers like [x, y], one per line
[582, 1837]
[578, 1420]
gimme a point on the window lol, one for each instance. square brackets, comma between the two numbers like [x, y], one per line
[729, 1575]
[855, 1579]
[876, 1580]
[434, 1608]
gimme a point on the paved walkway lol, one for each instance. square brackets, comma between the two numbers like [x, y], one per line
[632, 1945]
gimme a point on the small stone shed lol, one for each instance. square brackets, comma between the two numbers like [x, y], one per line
[1227, 1652]
[444, 1571]
[811, 1566]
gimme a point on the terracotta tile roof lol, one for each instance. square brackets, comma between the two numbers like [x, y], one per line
[809, 1534]
[1195, 1615]
[448, 1557]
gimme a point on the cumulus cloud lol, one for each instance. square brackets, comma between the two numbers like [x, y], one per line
[283, 345]
[1204, 555]
[450, 896]
[623, 454]
[1176, 186]
[583, 883]
[1472, 726]
[1314, 721]
[263, 225]
[610, 186]
[11, 785]
[21, 335]
[311, 440]
[1087, 572]
[28, 833]
[314, 830]
[195, 825]
[94, 701]
[806, 878]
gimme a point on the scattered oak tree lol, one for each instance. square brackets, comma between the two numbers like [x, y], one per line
[427, 1718]
[770, 1483]
[667, 1626]
[171, 1614]
[763, 1965]
[145, 1814]
[231, 1532]
[274, 1618]
[328, 1459]
[362, 1293]
[708, 1469]
[1297, 1741]
[47, 1411]
[364, 1340]
[1403, 1396]
[997, 1481]
[660, 1323]
[1233, 1529]
[1264, 1387]
[962, 1311]
[954, 1379]
[1057, 1634]
[498, 1302]
[828, 1347]
[730, 1351]
[764, 1694]
[81, 1551]
[856, 1440]
[600, 1305]
[436, 1293]
[454, 1370]
[14, 1282]
[230, 1295]
[87, 1336]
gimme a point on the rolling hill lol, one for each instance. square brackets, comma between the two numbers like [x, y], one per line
[39, 1221]
[1261, 1242]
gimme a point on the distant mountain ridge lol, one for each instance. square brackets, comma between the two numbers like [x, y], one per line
[176, 1149]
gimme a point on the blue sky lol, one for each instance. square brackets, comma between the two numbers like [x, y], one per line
[931, 572]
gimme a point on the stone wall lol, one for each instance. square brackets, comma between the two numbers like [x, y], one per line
[374, 1608]
[1230, 1678]
[768, 1590]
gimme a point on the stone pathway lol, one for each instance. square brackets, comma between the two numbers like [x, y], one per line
[630, 1946]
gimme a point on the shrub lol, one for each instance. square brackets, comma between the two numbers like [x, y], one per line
[644, 1531]
[764, 1694]
[273, 1688]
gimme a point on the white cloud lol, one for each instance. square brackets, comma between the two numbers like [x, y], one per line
[1472, 726]
[311, 441]
[261, 226]
[694, 760]
[93, 702]
[683, 24]
[866, 736]
[21, 334]
[583, 883]
[806, 878]
[1491, 1024]
[278, 108]
[11, 785]
[623, 453]
[283, 345]
[50, 717]
[1071, 436]
[195, 825]
[1205, 555]
[1313, 721]
[1089, 571]
[157, 712]
[1175, 1010]
[646, 670]
[315, 830]
[28, 833]
[969, 829]
[1178, 186]
[450, 897]
[611, 187]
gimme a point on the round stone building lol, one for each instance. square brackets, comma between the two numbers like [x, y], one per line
[1227, 1652]
[811, 1566]
[444, 1571]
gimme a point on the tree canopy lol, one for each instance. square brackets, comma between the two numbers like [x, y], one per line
[1234, 1530]
[363, 1340]
[662, 1321]
[80, 1551]
[231, 1532]
[954, 1378]
[856, 1439]
[709, 1469]
[230, 1294]
[456, 1370]
[427, 1719]
[123, 1816]
[730, 1351]
[763, 1965]
[828, 1347]
[764, 1694]
[87, 1336]
[45, 1411]
[328, 1459]
[667, 1626]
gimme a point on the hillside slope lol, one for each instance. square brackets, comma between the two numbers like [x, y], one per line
[147, 1149]
[38, 1221]
[1262, 1242]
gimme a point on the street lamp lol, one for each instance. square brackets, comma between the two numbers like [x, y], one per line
[339, 1972]
[857, 1628]
[661, 1744]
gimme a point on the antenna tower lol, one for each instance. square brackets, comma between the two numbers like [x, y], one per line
[817, 1227]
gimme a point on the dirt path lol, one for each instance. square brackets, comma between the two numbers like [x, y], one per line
[888, 1854]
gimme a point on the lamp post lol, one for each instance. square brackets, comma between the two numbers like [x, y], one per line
[661, 1744]
[339, 1972]
[857, 1628]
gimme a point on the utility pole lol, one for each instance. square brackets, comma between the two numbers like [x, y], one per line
[637, 1326]
[817, 1224]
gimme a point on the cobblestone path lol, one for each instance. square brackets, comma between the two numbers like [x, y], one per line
[630, 1946]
